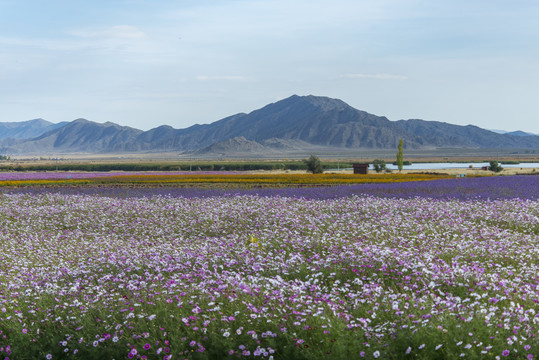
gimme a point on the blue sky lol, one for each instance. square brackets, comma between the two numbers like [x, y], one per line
[144, 63]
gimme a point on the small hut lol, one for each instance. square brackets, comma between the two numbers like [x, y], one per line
[361, 168]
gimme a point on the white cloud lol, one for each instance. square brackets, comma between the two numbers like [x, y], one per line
[119, 40]
[222, 78]
[375, 76]
[121, 37]
[113, 32]
[39, 43]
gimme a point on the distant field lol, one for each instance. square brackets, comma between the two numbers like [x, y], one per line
[175, 162]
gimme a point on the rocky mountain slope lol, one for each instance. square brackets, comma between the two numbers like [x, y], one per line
[292, 123]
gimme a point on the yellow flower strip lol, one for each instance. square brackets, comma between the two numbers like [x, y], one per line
[277, 179]
[246, 179]
[49, 182]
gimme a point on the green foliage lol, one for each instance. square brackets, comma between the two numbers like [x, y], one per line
[400, 155]
[171, 166]
[495, 166]
[182, 165]
[4, 157]
[405, 163]
[510, 162]
[379, 165]
[314, 165]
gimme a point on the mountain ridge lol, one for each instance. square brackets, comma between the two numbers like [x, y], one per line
[27, 129]
[294, 122]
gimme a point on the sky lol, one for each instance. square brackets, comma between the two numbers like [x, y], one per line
[146, 63]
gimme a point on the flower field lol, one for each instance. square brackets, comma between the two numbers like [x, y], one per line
[443, 269]
[201, 178]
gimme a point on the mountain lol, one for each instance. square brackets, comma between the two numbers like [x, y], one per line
[79, 135]
[315, 120]
[514, 133]
[240, 145]
[27, 129]
[520, 133]
[233, 145]
[322, 121]
[439, 134]
[295, 123]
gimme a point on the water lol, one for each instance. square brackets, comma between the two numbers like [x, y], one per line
[441, 166]
[438, 166]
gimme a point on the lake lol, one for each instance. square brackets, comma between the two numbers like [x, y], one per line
[445, 165]
[437, 166]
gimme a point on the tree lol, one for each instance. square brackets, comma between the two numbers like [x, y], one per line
[400, 155]
[494, 166]
[379, 165]
[314, 165]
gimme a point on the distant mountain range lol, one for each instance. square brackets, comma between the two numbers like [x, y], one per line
[516, 133]
[295, 123]
[27, 129]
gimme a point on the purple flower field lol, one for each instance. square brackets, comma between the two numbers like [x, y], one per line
[482, 188]
[61, 175]
[432, 270]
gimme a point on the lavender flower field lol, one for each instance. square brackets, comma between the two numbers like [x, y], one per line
[24, 175]
[439, 270]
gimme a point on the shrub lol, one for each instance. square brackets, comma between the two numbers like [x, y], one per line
[314, 165]
[495, 166]
[379, 165]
